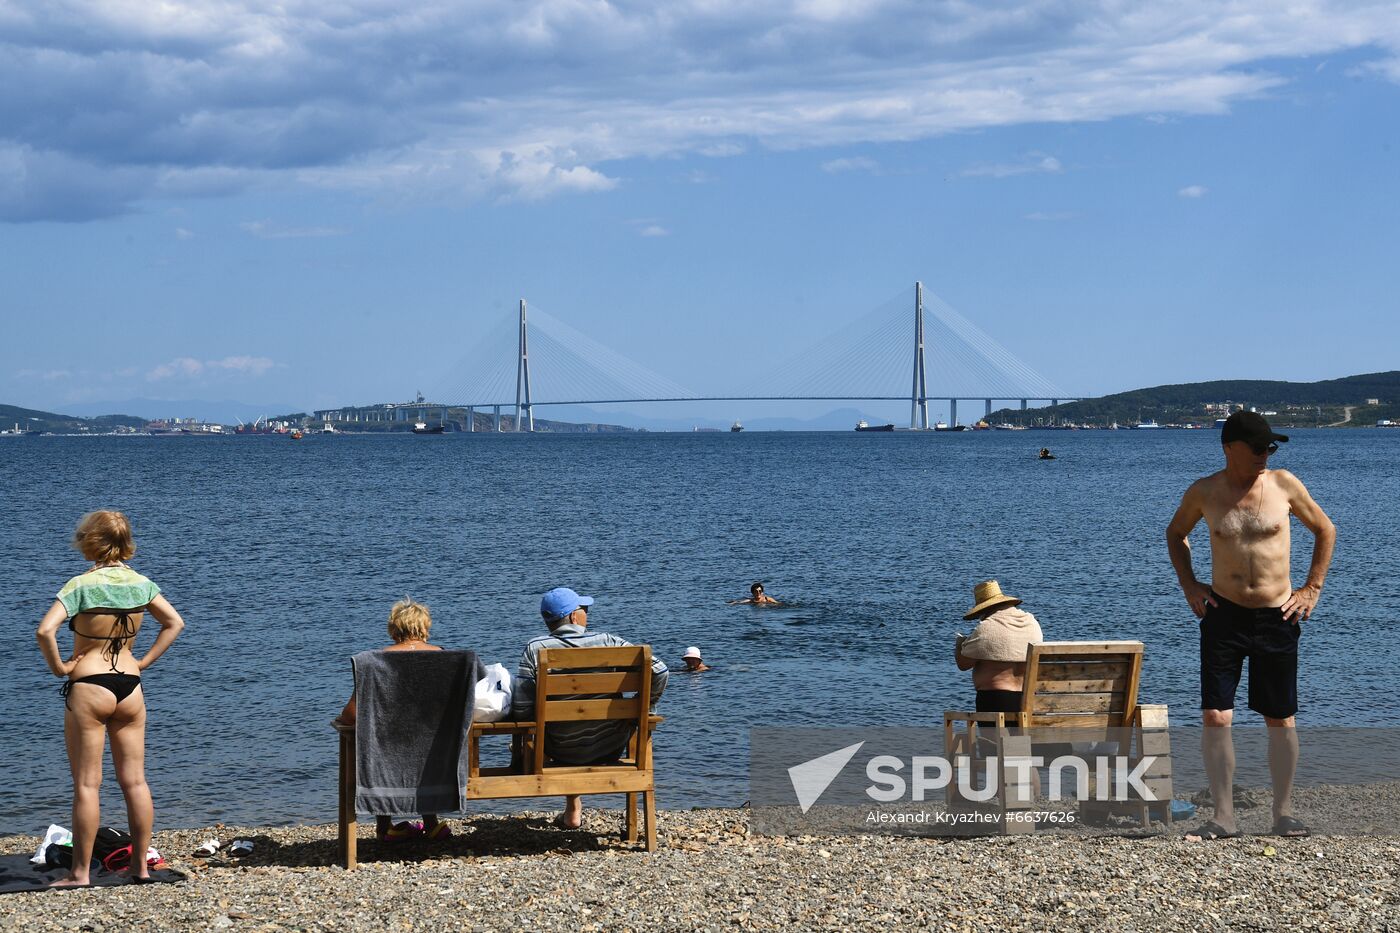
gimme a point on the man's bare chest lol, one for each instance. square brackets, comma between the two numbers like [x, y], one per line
[1255, 516]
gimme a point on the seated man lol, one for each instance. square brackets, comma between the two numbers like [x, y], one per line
[996, 649]
[575, 743]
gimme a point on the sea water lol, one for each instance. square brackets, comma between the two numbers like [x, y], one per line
[284, 557]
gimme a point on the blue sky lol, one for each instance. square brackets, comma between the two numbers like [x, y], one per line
[330, 203]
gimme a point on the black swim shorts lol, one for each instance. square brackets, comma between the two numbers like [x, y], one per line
[1229, 634]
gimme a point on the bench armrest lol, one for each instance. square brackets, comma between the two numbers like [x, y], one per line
[984, 719]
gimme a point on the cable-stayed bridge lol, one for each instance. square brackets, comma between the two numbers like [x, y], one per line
[891, 353]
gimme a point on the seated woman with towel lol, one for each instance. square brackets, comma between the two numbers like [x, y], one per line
[996, 649]
[409, 623]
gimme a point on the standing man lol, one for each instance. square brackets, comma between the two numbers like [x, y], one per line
[1249, 609]
[575, 743]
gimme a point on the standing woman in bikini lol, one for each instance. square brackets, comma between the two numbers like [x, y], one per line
[103, 696]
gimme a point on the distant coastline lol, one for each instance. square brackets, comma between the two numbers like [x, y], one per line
[1362, 401]
[1352, 402]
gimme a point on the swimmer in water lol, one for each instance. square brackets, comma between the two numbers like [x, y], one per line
[756, 598]
[693, 662]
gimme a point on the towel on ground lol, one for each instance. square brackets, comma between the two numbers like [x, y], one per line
[1002, 636]
[413, 712]
[18, 875]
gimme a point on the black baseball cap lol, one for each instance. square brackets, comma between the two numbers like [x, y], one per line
[1250, 427]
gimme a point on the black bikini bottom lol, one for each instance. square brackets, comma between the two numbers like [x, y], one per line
[119, 685]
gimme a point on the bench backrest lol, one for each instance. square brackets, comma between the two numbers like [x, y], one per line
[590, 684]
[1081, 684]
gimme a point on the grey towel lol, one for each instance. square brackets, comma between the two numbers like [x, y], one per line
[413, 711]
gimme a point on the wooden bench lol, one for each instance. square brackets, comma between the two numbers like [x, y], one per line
[572, 685]
[1077, 692]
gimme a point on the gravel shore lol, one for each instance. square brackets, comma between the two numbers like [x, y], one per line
[510, 873]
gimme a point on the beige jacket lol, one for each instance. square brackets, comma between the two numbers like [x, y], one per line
[1002, 636]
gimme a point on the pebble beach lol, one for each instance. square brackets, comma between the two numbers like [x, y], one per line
[710, 873]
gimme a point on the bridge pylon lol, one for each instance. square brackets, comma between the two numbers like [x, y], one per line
[918, 393]
[522, 380]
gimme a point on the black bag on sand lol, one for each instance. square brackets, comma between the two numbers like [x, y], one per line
[109, 840]
[56, 856]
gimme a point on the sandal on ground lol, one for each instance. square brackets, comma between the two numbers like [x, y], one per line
[401, 831]
[1213, 831]
[208, 848]
[240, 848]
[1291, 828]
[438, 833]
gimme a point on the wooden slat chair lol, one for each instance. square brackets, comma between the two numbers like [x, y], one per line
[1082, 692]
[573, 685]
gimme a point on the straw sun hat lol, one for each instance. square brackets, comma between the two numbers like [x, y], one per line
[987, 595]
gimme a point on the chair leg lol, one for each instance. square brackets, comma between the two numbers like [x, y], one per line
[349, 829]
[631, 817]
[650, 802]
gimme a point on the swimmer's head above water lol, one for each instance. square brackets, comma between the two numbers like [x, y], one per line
[756, 597]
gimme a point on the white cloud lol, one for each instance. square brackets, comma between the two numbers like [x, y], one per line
[850, 164]
[534, 98]
[182, 234]
[654, 230]
[187, 367]
[255, 365]
[47, 375]
[1033, 163]
[266, 230]
[1193, 191]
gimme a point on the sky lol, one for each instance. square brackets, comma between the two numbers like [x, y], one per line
[326, 203]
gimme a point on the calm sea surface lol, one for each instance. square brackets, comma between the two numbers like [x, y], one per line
[284, 558]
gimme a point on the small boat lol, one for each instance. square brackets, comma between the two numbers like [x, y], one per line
[295, 435]
[981, 426]
[421, 428]
[735, 428]
[1147, 425]
[945, 426]
[866, 426]
[328, 428]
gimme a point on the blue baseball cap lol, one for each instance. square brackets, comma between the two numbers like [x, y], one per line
[561, 601]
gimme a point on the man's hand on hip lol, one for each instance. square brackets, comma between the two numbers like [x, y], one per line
[1198, 596]
[1301, 603]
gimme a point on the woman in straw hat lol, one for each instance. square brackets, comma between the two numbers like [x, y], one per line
[996, 650]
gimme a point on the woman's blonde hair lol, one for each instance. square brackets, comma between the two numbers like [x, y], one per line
[103, 536]
[409, 620]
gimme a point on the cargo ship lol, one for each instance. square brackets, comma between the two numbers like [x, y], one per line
[866, 426]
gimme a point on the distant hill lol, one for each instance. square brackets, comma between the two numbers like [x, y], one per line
[30, 419]
[1299, 404]
[226, 411]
